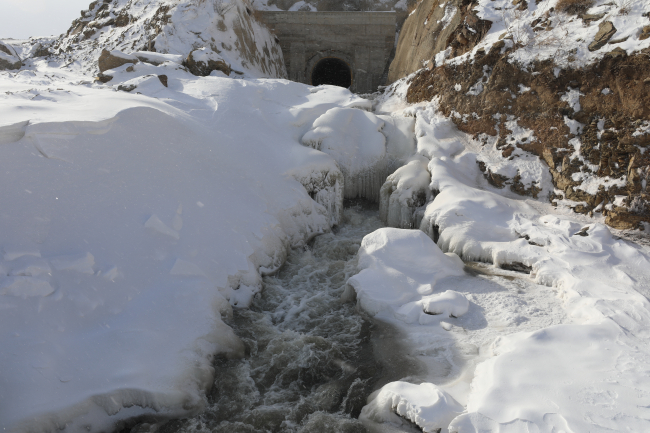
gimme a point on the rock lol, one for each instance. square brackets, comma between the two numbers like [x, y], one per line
[619, 40]
[114, 59]
[103, 78]
[645, 33]
[127, 88]
[617, 52]
[202, 62]
[8, 58]
[587, 18]
[497, 46]
[646, 81]
[163, 80]
[605, 32]
[41, 51]
[122, 20]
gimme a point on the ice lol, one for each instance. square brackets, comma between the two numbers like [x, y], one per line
[184, 268]
[82, 263]
[398, 268]
[25, 287]
[404, 191]
[154, 223]
[425, 405]
[353, 138]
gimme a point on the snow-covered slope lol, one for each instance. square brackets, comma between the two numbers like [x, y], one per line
[565, 80]
[227, 28]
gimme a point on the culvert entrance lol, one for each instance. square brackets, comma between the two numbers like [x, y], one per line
[331, 70]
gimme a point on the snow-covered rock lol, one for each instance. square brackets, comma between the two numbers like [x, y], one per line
[425, 405]
[202, 62]
[224, 27]
[8, 57]
[399, 269]
[114, 59]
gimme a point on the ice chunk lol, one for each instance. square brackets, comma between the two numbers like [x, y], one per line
[426, 405]
[14, 254]
[25, 287]
[156, 224]
[29, 266]
[353, 138]
[185, 268]
[80, 263]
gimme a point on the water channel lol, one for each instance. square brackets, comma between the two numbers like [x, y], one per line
[312, 360]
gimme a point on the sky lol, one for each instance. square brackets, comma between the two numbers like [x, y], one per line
[24, 18]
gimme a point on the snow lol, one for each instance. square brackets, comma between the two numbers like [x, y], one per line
[564, 38]
[575, 364]
[223, 28]
[399, 269]
[354, 139]
[132, 223]
[425, 405]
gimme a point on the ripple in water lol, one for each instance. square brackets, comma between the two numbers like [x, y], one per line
[309, 364]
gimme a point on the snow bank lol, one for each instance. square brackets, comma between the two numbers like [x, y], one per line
[399, 273]
[555, 378]
[353, 138]
[425, 405]
[134, 222]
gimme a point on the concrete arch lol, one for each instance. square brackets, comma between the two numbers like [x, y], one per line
[363, 40]
[329, 54]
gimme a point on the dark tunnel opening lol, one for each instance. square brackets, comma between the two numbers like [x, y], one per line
[331, 71]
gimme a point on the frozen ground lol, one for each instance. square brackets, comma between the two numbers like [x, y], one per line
[133, 222]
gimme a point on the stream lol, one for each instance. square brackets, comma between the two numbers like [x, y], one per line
[311, 360]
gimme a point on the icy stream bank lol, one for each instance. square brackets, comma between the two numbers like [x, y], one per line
[310, 363]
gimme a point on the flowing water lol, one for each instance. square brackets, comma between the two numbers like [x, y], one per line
[310, 361]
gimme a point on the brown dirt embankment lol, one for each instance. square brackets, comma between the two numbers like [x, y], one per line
[614, 108]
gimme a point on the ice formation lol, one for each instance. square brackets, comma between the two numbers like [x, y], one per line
[425, 405]
[354, 139]
[399, 269]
